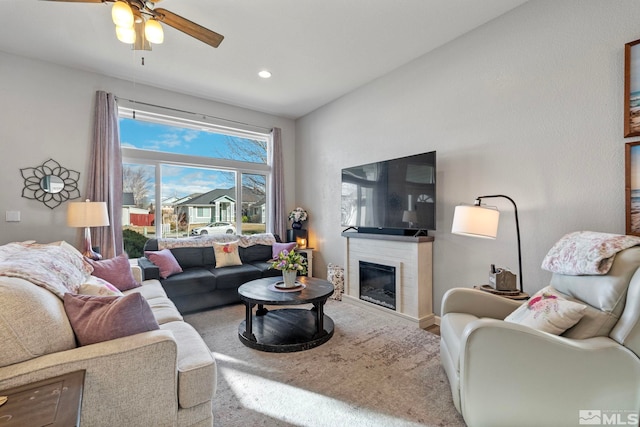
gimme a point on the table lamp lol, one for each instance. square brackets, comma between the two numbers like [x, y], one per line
[301, 242]
[482, 221]
[88, 214]
[410, 216]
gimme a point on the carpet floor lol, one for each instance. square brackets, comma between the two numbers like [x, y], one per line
[375, 371]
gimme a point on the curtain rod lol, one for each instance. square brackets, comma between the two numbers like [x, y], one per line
[191, 112]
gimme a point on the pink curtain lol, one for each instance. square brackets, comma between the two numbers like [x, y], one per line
[104, 183]
[277, 186]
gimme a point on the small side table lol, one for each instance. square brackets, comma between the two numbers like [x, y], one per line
[517, 295]
[54, 402]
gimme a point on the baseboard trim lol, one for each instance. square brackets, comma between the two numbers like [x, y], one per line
[423, 322]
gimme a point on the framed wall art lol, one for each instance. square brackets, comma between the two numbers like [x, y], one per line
[632, 89]
[632, 187]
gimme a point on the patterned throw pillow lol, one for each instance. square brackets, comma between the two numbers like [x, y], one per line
[96, 318]
[548, 311]
[226, 254]
[279, 247]
[165, 261]
[116, 271]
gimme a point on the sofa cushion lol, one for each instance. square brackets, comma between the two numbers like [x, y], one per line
[266, 270]
[196, 365]
[150, 289]
[190, 281]
[164, 310]
[188, 257]
[255, 253]
[165, 260]
[96, 319]
[24, 336]
[226, 254]
[116, 271]
[233, 277]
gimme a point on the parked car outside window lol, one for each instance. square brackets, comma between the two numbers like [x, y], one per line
[214, 228]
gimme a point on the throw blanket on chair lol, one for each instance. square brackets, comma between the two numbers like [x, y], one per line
[586, 252]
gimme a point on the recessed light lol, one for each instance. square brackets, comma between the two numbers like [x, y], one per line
[264, 74]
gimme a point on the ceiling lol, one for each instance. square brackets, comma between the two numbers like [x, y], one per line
[317, 51]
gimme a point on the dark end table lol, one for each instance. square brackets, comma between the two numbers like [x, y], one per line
[287, 329]
[52, 402]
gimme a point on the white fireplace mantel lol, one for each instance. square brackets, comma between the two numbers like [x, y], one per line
[413, 256]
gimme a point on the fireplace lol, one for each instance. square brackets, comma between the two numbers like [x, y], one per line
[411, 256]
[378, 284]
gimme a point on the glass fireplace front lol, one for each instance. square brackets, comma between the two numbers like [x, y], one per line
[378, 284]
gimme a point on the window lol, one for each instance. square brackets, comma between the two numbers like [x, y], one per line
[184, 177]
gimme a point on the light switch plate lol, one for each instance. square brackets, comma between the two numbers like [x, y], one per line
[12, 216]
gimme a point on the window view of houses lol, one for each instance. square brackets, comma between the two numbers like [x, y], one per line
[183, 179]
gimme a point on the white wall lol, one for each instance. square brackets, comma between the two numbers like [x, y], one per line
[529, 105]
[47, 112]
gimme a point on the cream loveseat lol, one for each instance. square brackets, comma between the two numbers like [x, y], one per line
[163, 377]
[505, 373]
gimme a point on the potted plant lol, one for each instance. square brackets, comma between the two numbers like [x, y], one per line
[298, 215]
[290, 263]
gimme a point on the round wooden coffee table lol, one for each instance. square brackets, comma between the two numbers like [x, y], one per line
[287, 329]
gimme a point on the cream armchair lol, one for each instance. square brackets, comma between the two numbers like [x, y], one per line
[507, 374]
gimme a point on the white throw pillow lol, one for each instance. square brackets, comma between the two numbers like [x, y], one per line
[227, 254]
[548, 311]
[99, 287]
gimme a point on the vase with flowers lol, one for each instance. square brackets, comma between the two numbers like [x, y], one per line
[298, 215]
[290, 263]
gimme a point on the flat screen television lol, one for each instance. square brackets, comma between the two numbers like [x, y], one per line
[396, 196]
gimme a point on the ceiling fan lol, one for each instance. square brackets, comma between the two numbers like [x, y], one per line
[129, 17]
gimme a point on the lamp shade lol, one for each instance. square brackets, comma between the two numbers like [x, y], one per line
[87, 214]
[476, 221]
[409, 216]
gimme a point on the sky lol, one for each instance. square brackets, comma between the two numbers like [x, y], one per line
[179, 181]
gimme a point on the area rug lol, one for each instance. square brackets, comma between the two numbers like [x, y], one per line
[376, 370]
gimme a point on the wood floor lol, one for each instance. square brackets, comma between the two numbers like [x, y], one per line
[434, 329]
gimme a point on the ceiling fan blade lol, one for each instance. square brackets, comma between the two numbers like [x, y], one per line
[191, 28]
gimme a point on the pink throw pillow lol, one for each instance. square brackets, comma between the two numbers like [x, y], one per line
[102, 318]
[279, 247]
[165, 260]
[116, 271]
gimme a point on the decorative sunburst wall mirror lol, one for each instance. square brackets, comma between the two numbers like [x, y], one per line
[50, 183]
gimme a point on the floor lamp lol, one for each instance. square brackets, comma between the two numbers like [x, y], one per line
[482, 221]
[88, 214]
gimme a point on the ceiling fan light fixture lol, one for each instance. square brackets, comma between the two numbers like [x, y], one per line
[126, 34]
[153, 31]
[121, 14]
[265, 74]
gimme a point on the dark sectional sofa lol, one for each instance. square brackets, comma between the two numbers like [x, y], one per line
[201, 285]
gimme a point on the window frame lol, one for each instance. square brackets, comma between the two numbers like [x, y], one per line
[157, 158]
